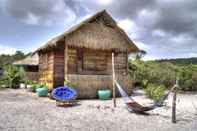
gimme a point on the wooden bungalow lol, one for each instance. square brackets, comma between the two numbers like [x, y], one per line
[30, 65]
[83, 56]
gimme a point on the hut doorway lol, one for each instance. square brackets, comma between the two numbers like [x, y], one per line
[58, 68]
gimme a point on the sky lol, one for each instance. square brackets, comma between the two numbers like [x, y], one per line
[163, 28]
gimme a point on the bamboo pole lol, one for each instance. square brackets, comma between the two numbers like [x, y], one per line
[174, 102]
[113, 78]
[174, 107]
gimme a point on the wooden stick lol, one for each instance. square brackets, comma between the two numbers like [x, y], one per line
[113, 78]
[174, 107]
[174, 103]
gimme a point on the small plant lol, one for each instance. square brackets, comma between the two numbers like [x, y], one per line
[68, 83]
[13, 75]
[31, 85]
[155, 92]
[3, 83]
[43, 86]
[145, 83]
[42, 90]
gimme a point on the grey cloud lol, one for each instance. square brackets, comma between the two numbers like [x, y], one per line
[176, 20]
[120, 8]
[177, 17]
[40, 11]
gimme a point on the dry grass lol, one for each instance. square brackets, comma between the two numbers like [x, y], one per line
[104, 28]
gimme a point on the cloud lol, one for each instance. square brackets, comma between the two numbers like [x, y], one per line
[142, 46]
[40, 12]
[119, 8]
[7, 50]
[164, 28]
[158, 33]
[31, 19]
[130, 27]
[192, 55]
[105, 2]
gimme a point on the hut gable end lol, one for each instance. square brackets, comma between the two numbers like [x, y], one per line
[97, 35]
[98, 32]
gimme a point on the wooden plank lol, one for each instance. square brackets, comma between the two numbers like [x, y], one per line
[72, 65]
[174, 102]
[113, 78]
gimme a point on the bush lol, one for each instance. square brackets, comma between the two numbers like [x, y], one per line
[3, 83]
[153, 72]
[143, 73]
[69, 84]
[155, 92]
[12, 76]
[35, 85]
[188, 78]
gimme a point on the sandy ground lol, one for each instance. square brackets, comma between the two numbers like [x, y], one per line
[24, 111]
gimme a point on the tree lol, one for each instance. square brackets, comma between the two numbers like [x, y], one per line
[140, 54]
[9, 59]
[19, 55]
[13, 76]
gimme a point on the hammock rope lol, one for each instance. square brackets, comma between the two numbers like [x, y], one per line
[134, 106]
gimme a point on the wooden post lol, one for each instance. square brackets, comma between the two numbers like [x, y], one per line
[127, 68]
[113, 78]
[174, 103]
[174, 107]
[66, 62]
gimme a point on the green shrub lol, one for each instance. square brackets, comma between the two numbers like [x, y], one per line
[3, 83]
[13, 75]
[188, 78]
[152, 72]
[34, 85]
[70, 84]
[164, 73]
[155, 92]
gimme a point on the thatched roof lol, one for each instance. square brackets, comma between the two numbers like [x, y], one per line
[110, 22]
[31, 60]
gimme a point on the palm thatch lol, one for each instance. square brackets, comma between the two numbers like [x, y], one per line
[66, 37]
[31, 60]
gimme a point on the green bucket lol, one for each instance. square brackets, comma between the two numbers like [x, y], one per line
[42, 92]
[104, 94]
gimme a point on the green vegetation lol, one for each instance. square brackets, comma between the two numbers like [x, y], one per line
[155, 92]
[70, 84]
[12, 76]
[188, 78]
[181, 61]
[9, 59]
[33, 85]
[163, 73]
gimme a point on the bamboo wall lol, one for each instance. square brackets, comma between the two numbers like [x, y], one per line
[82, 66]
[97, 74]
[46, 69]
[88, 85]
[33, 76]
[95, 62]
[31, 72]
[87, 67]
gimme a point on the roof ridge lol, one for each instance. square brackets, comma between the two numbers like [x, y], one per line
[53, 42]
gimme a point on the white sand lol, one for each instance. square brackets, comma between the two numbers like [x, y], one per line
[22, 111]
